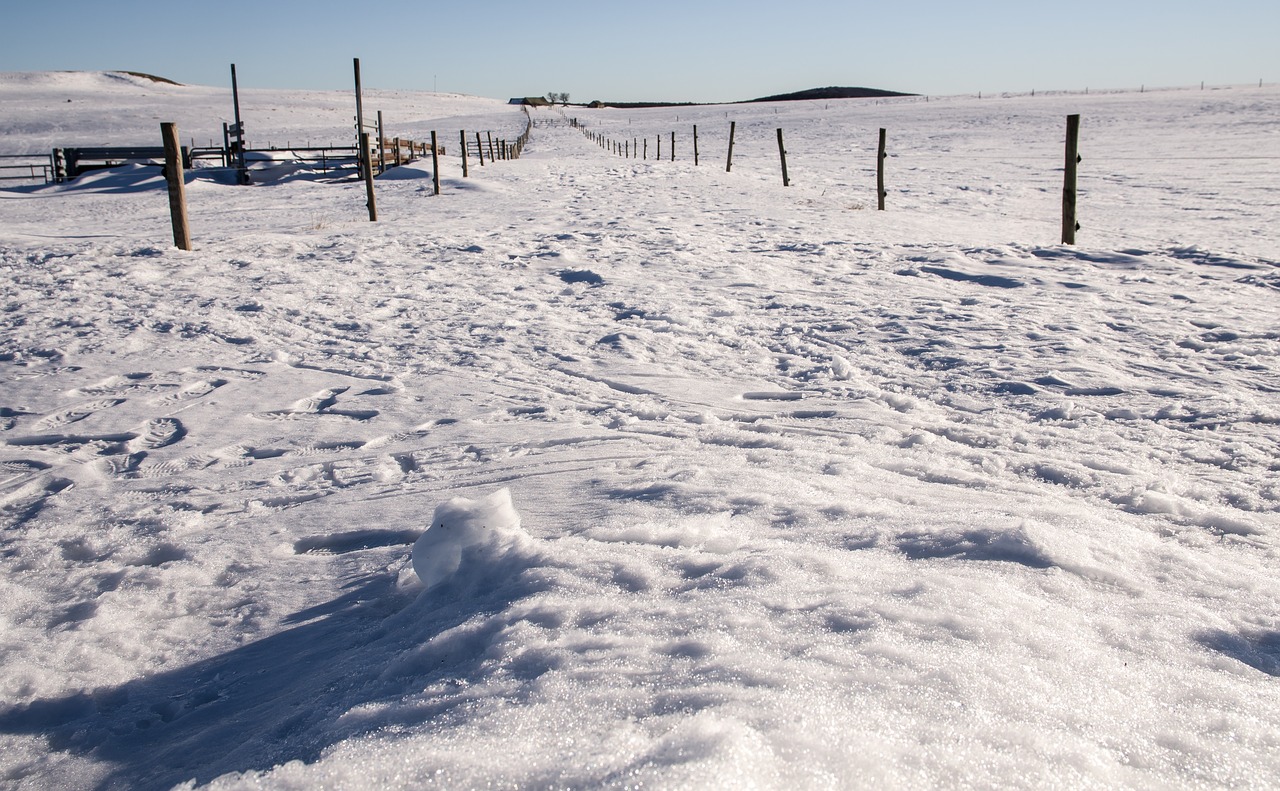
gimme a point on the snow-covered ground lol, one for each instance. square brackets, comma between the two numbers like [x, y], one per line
[731, 485]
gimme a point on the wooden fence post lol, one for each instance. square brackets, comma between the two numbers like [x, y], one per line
[360, 160]
[695, 145]
[880, 155]
[782, 153]
[673, 146]
[646, 149]
[368, 179]
[728, 163]
[435, 163]
[242, 170]
[659, 148]
[490, 136]
[480, 149]
[177, 186]
[463, 134]
[1069, 223]
[382, 145]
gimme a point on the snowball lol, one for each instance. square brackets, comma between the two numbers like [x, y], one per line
[488, 530]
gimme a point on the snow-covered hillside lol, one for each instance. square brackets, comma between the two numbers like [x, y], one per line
[801, 494]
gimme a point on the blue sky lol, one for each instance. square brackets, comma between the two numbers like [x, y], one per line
[655, 49]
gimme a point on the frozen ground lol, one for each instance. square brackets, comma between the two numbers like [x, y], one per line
[801, 494]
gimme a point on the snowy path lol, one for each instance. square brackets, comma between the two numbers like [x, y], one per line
[819, 496]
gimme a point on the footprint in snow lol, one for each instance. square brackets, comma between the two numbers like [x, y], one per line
[155, 434]
[320, 404]
[77, 413]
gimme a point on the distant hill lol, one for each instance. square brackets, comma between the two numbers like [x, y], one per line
[812, 93]
[831, 93]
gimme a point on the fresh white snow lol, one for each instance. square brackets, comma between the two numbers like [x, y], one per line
[715, 483]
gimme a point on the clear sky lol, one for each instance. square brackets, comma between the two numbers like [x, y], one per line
[668, 50]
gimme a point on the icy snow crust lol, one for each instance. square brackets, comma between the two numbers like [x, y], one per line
[799, 494]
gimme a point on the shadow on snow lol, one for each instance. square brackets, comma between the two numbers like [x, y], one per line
[281, 698]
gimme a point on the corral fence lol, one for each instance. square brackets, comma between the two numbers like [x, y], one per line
[26, 167]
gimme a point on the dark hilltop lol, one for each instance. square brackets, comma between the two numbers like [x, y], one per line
[813, 93]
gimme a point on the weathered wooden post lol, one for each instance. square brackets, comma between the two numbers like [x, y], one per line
[880, 156]
[782, 153]
[695, 145]
[242, 171]
[646, 149]
[435, 163]
[361, 162]
[463, 135]
[382, 145]
[659, 148]
[728, 163]
[371, 201]
[673, 146]
[177, 186]
[490, 136]
[1069, 223]
[480, 149]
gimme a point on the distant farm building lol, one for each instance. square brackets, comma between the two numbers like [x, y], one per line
[530, 101]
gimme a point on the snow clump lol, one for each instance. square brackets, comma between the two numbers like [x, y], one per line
[486, 532]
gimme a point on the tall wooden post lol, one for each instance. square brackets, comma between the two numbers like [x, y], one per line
[368, 179]
[695, 145]
[480, 149]
[728, 163]
[782, 153]
[880, 156]
[242, 171]
[1069, 223]
[177, 186]
[646, 149]
[673, 146]
[435, 162]
[659, 148]
[463, 135]
[490, 136]
[361, 161]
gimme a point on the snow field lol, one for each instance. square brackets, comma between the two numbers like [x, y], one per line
[800, 493]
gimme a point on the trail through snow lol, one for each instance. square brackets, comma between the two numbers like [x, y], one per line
[796, 492]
